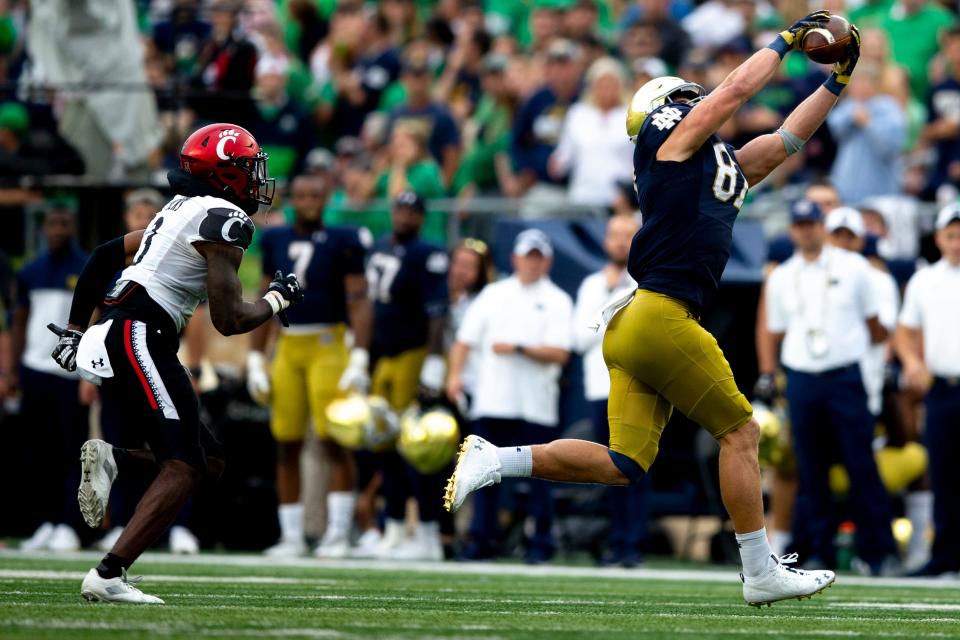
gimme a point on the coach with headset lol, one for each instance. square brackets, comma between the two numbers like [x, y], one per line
[820, 303]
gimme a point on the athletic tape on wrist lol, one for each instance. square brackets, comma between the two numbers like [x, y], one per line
[276, 301]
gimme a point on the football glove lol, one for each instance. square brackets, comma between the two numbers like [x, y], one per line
[843, 69]
[792, 36]
[65, 353]
[284, 291]
[765, 390]
[258, 381]
[356, 376]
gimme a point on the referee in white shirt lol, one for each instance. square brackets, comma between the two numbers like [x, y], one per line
[928, 344]
[820, 302]
[521, 329]
[628, 521]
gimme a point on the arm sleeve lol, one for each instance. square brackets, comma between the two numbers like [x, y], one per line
[911, 315]
[559, 330]
[105, 261]
[777, 320]
[436, 299]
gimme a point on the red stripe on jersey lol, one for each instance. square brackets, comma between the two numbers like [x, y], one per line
[128, 343]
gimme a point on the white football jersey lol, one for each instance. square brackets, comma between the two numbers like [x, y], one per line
[168, 265]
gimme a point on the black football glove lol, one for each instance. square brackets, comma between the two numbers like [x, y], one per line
[65, 353]
[765, 390]
[843, 69]
[792, 36]
[285, 290]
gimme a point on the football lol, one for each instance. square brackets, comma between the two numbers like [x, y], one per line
[828, 44]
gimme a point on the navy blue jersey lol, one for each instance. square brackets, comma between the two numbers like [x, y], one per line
[320, 261]
[408, 285]
[688, 212]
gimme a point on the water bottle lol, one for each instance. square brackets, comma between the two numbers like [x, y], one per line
[844, 542]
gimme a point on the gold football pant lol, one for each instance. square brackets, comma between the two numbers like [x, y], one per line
[659, 357]
[304, 376]
[397, 378]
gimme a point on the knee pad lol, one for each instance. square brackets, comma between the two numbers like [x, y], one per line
[627, 466]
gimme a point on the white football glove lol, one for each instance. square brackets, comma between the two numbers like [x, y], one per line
[356, 376]
[258, 380]
[433, 373]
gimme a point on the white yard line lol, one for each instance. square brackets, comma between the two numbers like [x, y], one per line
[718, 575]
[907, 606]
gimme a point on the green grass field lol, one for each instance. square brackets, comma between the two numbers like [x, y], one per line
[236, 597]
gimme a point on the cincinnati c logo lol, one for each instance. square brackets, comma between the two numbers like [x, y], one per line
[225, 136]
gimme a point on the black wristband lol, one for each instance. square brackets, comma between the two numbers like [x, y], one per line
[518, 349]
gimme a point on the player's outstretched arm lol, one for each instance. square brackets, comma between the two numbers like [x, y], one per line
[101, 267]
[229, 313]
[738, 87]
[763, 154]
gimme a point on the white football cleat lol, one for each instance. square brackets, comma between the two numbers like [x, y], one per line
[394, 536]
[367, 544]
[122, 589]
[183, 541]
[784, 583]
[287, 549]
[40, 540]
[333, 546]
[64, 538]
[478, 466]
[425, 545]
[99, 471]
[106, 542]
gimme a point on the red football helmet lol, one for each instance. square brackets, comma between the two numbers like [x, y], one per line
[229, 158]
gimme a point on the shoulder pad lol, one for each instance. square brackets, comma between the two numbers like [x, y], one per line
[227, 225]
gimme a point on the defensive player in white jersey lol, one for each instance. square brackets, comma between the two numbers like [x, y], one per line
[190, 252]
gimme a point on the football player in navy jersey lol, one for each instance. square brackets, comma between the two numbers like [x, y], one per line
[408, 286]
[312, 363]
[690, 186]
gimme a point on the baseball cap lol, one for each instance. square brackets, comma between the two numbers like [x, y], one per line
[563, 49]
[145, 196]
[805, 211]
[319, 159]
[410, 199]
[846, 218]
[948, 214]
[532, 240]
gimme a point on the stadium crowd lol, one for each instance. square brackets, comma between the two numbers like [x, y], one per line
[401, 118]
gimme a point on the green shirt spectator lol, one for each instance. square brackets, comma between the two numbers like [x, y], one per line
[914, 27]
[423, 177]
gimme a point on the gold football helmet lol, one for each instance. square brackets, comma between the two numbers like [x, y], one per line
[656, 93]
[775, 449]
[428, 439]
[362, 422]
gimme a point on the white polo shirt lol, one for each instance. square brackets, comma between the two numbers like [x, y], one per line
[826, 300]
[512, 385]
[932, 305]
[594, 295]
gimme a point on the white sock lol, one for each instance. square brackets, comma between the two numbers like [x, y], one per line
[919, 511]
[515, 462]
[779, 541]
[291, 521]
[755, 553]
[340, 506]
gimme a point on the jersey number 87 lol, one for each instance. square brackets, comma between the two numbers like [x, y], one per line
[725, 182]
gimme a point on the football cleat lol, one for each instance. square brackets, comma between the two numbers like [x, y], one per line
[122, 589]
[40, 540]
[99, 470]
[478, 466]
[425, 544]
[183, 541]
[784, 583]
[287, 549]
[333, 547]
[64, 538]
[367, 544]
